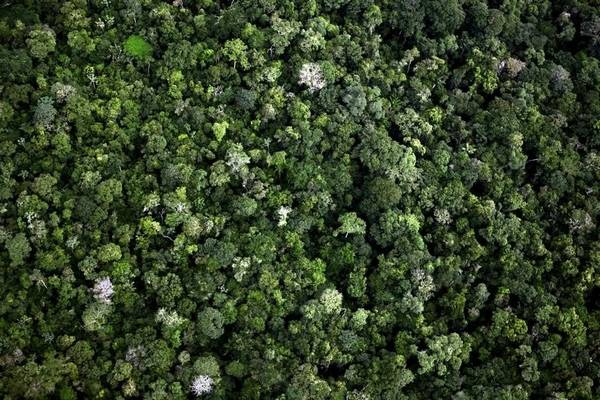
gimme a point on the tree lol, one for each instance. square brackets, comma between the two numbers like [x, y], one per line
[41, 42]
[350, 224]
[235, 51]
[138, 47]
[45, 113]
[444, 354]
[18, 249]
[210, 322]
[311, 75]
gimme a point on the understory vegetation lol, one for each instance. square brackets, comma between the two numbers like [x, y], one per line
[300, 199]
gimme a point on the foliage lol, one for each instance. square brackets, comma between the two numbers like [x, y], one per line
[137, 46]
[322, 199]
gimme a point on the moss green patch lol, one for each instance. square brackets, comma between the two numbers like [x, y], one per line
[137, 46]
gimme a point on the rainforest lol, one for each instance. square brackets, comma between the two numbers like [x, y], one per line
[300, 199]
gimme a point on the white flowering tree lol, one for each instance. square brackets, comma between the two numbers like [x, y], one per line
[201, 384]
[103, 290]
[311, 75]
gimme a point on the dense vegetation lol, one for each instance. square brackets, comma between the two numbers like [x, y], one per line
[300, 199]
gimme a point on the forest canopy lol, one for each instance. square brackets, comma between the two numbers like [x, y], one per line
[300, 199]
